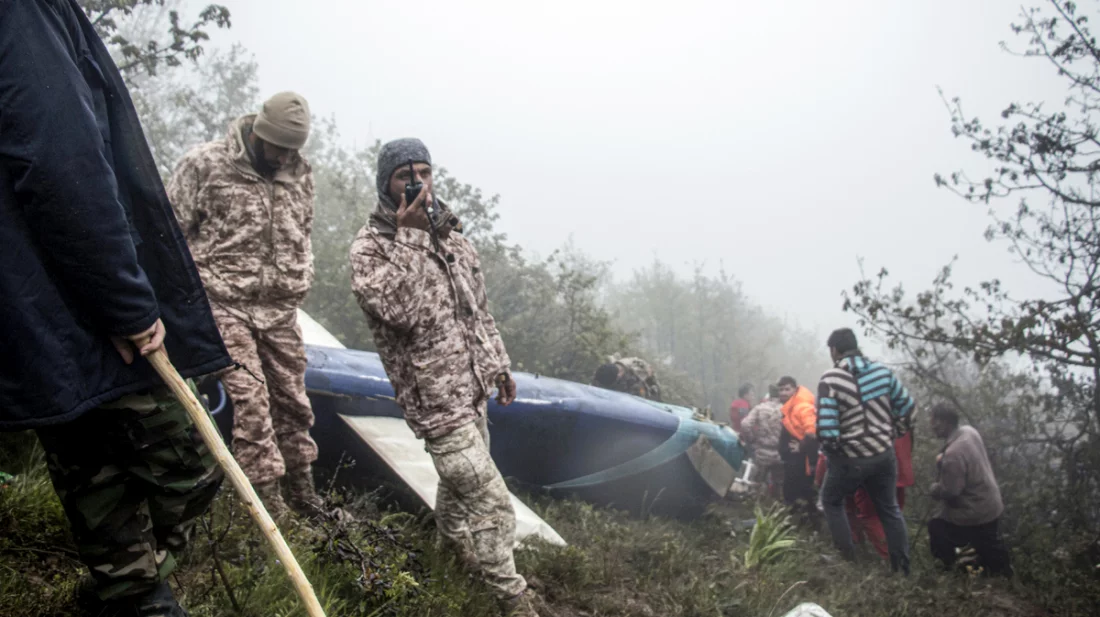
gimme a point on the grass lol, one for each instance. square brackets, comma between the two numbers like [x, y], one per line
[389, 565]
[39, 568]
[772, 536]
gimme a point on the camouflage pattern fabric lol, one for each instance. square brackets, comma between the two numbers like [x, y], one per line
[638, 379]
[249, 236]
[431, 324]
[133, 476]
[271, 420]
[473, 508]
[760, 430]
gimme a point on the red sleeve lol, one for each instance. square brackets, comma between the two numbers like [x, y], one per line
[822, 467]
[736, 408]
[903, 449]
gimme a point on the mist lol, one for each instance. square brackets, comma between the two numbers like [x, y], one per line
[678, 201]
[784, 142]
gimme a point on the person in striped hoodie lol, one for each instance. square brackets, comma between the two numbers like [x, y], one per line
[862, 409]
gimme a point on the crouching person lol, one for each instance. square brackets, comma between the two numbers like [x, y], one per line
[424, 300]
[971, 500]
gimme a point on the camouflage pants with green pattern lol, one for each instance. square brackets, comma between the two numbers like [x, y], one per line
[473, 508]
[133, 476]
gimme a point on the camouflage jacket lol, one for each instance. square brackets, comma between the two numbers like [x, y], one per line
[638, 379]
[760, 430]
[249, 236]
[431, 324]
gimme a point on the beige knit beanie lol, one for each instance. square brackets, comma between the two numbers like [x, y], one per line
[284, 121]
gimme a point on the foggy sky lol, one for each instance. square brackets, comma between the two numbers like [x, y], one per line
[783, 140]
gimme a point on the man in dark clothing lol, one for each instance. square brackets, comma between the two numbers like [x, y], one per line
[972, 505]
[862, 409]
[94, 264]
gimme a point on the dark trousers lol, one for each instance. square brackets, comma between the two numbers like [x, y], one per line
[944, 537]
[133, 477]
[798, 490]
[798, 486]
[877, 475]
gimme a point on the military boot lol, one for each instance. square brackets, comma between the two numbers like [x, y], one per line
[520, 605]
[301, 493]
[160, 603]
[272, 498]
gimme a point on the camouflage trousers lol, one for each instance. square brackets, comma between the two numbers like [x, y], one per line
[473, 507]
[133, 476]
[271, 420]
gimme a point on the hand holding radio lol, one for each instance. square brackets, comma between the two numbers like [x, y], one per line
[414, 186]
[413, 213]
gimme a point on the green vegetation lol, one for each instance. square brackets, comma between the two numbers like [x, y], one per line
[562, 314]
[389, 565]
[772, 536]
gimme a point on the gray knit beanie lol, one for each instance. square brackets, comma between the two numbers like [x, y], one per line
[283, 121]
[395, 154]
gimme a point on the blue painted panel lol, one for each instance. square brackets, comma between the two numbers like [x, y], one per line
[557, 433]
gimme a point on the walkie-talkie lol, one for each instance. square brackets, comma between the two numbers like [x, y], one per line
[413, 188]
[412, 191]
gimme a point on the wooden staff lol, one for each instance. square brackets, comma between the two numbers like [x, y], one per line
[159, 360]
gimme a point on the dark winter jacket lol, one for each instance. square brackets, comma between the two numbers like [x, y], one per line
[89, 246]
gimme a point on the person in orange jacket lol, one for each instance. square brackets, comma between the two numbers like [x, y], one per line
[798, 446]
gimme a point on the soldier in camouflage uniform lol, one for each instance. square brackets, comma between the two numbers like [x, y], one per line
[132, 500]
[245, 204]
[95, 272]
[631, 375]
[424, 300]
[760, 430]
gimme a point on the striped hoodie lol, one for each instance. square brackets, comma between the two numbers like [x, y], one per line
[862, 408]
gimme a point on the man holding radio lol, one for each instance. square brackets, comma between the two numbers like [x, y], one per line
[419, 283]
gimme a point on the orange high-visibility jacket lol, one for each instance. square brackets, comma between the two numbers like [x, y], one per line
[800, 414]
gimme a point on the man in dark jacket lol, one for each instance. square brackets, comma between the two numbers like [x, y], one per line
[971, 500]
[94, 264]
